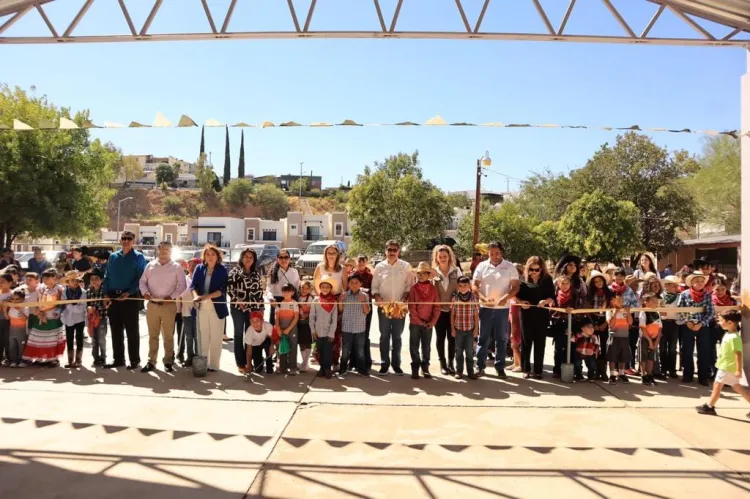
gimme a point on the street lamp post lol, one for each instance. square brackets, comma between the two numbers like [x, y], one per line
[119, 203]
[300, 178]
[483, 162]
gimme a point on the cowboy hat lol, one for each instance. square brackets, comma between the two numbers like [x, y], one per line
[648, 276]
[689, 279]
[425, 267]
[594, 274]
[611, 267]
[327, 279]
[671, 279]
[71, 275]
[631, 278]
[565, 260]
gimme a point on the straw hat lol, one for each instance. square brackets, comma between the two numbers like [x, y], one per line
[694, 275]
[70, 275]
[632, 278]
[594, 274]
[425, 267]
[611, 267]
[671, 279]
[326, 279]
[648, 276]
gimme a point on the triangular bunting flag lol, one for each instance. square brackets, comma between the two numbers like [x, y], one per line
[66, 124]
[436, 121]
[20, 125]
[162, 121]
[186, 121]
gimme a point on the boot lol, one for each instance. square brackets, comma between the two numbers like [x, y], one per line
[451, 369]
[444, 367]
[305, 361]
[70, 363]
[415, 373]
[426, 372]
[79, 358]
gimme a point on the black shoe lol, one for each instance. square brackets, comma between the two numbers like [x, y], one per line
[537, 376]
[501, 374]
[398, 371]
[578, 377]
[444, 368]
[703, 382]
[383, 370]
[134, 365]
[342, 373]
[706, 409]
[426, 373]
[168, 368]
[269, 370]
[645, 380]
[527, 375]
[673, 375]
[415, 373]
[613, 380]
[147, 368]
[480, 373]
[624, 378]
[189, 363]
[114, 365]
[366, 374]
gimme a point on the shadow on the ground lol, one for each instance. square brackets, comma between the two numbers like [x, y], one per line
[46, 474]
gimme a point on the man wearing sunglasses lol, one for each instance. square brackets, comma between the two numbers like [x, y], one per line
[121, 281]
[495, 282]
[391, 283]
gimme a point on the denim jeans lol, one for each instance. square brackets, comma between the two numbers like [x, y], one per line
[188, 332]
[99, 341]
[368, 352]
[240, 321]
[702, 338]
[325, 351]
[668, 346]
[590, 362]
[261, 354]
[390, 338]
[353, 351]
[493, 323]
[420, 336]
[465, 347]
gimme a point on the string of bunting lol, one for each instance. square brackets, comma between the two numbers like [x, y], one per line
[186, 121]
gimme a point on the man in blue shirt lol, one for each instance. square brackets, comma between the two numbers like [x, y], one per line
[123, 274]
[39, 263]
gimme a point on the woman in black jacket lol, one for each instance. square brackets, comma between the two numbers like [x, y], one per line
[536, 289]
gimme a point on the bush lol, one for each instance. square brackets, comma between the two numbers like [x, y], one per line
[172, 205]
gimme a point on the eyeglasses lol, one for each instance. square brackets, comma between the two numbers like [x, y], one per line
[535, 269]
[283, 258]
[126, 238]
[392, 250]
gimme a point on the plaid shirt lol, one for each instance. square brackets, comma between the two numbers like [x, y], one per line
[93, 294]
[686, 300]
[464, 311]
[587, 346]
[353, 317]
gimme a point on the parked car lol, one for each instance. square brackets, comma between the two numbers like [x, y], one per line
[294, 253]
[314, 255]
[267, 254]
[23, 258]
[190, 253]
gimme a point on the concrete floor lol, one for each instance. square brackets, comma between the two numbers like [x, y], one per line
[94, 433]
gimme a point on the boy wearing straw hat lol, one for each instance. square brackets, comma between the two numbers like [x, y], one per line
[695, 328]
[424, 311]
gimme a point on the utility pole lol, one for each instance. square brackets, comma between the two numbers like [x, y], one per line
[477, 202]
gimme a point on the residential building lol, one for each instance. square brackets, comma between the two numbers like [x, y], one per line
[150, 235]
[284, 181]
[149, 162]
[722, 249]
[224, 232]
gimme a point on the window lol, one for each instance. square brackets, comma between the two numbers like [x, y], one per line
[338, 229]
[269, 234]
[169, 238]
[313, 233]
[251, 234]
[213, 238]
[292, 229]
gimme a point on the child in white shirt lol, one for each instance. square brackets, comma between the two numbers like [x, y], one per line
[258, 339]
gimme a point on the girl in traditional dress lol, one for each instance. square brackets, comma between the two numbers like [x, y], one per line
[46, 332]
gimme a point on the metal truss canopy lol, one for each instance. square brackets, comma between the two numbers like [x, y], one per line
[734, 14]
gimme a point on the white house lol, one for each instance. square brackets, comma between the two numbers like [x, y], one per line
[225, 232]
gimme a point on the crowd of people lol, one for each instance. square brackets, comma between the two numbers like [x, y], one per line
[327, 320]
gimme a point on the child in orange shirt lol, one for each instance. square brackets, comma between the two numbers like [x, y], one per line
[650, 325]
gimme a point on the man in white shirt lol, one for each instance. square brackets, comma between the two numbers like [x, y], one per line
[495, 282]
[391, 283]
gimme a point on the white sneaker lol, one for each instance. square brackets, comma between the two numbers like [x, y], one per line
[13, 365]
[23, 364]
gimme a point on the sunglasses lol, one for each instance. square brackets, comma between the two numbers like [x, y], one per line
[283, 258]
[126, 238]
[392, 250]
[535, 269]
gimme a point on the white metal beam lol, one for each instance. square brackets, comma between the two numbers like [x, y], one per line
[745, 212]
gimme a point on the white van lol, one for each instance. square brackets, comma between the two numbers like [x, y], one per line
[314, 255]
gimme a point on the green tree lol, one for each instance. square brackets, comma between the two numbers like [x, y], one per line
[506, 224]
[241, 167]
[546, 195]
[130, 169]
[459, 200]
[205, 176]
[393, 201]
[304, 183]
[237, 193]
[547, 235]
[165, 174]
[600, 228]
[52, 184]
[227, 160]
[172, 205]
[272, 201]
[717, 183]
[342, 200]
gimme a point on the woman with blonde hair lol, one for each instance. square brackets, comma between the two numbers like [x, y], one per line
[443, 261]
[209, 287]
[333, 271]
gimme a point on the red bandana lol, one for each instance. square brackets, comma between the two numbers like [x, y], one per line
[618, 289]
[563, 298]
[328, 302]
[724, 301]
[697, 295]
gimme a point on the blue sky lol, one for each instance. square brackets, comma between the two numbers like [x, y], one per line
[374, 81]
